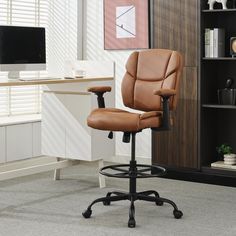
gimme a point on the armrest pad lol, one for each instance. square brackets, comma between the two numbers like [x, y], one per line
[101, 89]
[165, 92]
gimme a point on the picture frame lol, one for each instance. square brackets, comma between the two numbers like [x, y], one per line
[127, 24]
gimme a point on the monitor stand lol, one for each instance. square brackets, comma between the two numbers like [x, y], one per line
[14, 75]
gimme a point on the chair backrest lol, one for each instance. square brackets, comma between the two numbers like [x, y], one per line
[147, 71]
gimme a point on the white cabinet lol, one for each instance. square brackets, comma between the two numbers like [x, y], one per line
[78, 134]
[64, 123]
[36, 139]
[2, 145]
[53, 125]
[19, 139]
[19, 142]
[82, 142]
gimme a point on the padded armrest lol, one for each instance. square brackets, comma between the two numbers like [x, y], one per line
[101, 89]
[165, 92]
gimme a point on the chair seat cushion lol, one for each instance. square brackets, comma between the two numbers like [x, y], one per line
[113, 119]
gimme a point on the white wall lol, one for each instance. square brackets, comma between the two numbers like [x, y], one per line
[94, 50]
[62, 35]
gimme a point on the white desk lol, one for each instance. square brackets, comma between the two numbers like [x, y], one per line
[13, 82]
[65, 135]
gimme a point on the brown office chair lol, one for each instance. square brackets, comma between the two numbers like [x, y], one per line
[151, 85]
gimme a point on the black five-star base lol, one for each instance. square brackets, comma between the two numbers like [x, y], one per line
[133, 172]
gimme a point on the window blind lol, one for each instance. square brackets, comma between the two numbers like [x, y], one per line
[59, 17]
[22, 99]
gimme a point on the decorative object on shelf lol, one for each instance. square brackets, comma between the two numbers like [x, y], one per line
[212, 3]
[126, 24]
[224, 150]
[230, 159]
[227, 96]
[233, 46]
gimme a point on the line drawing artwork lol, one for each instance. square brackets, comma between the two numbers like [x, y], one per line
[125, 22]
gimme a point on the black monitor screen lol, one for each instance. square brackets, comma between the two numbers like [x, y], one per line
[22, 45]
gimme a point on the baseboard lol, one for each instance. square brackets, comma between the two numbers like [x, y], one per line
[200, 177]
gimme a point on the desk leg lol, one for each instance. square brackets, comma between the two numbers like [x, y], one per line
[102, 182]
[57, 172]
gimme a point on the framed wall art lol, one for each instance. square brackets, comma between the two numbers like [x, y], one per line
[126, 24]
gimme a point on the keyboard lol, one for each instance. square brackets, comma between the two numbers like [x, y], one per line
[38, 78]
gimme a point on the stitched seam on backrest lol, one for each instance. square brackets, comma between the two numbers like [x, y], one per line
[135, 79]
[166, 69]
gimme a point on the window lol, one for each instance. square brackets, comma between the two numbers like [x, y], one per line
[27, 99]
[60, 20]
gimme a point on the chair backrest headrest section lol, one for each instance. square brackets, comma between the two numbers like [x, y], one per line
[147, 71]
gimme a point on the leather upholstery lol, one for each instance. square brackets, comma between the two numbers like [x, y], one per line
[149, 75]
[156, 69]
[165, 92]
[120, 120]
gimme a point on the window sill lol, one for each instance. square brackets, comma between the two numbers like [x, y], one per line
[21, 119]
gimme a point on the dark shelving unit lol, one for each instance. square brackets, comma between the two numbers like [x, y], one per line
[217, 123]
[200, 123]
[220, 58]
[218, 11]
[218, 106]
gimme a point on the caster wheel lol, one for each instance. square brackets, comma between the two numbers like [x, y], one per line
[131, 223]
[106, 203]
[159, 203]
[86, 214]
[177, 214]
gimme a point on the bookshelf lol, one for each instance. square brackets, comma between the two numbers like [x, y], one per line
[219, 58]
[218, 106]
[217, 122]
[218, 10]
[200, 123]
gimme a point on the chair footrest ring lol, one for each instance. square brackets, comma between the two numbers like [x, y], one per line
[141, 171]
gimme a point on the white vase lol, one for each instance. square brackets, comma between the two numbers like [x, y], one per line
[230, 159]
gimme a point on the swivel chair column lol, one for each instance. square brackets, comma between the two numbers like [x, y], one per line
[132, 183]
[133, 167]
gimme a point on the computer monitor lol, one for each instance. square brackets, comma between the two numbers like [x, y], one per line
[22, 49]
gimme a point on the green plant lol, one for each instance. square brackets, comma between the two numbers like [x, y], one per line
[224, 149]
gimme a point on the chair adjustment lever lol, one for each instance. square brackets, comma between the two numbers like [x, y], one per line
[126, 137]
[110, 135]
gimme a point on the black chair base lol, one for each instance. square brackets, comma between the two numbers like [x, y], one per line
[132, 197]
[133, 171]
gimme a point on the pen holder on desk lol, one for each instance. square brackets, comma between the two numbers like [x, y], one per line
[226, 96]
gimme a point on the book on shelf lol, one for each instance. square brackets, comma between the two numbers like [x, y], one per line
[211, 43]
[218, 42]
[214, 42]
[207, 42]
